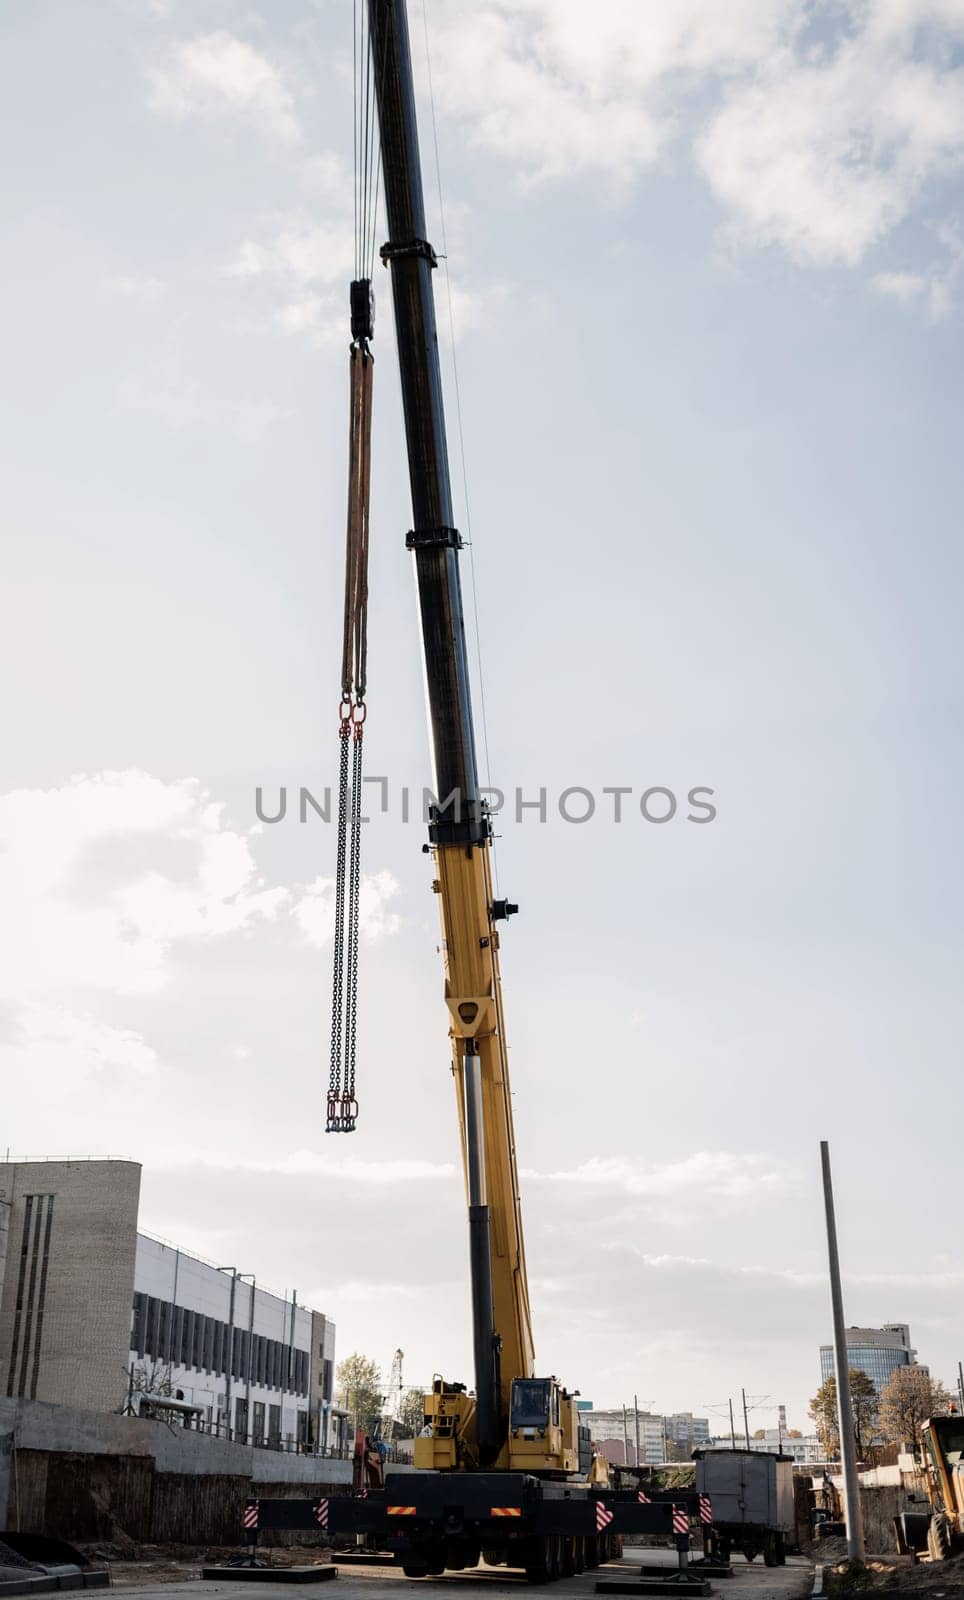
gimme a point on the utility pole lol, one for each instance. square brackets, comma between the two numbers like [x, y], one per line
[732, 1427]
[848, 1450]
[746, 1419]
[625, 1438]
[960, 1385]
[248, 1424]
[229, 1357]
[636, 1415]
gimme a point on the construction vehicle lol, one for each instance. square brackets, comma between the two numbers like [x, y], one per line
[940, 1529]
[505, 1468]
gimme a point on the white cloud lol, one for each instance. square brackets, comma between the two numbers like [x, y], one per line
[934, 289]
[313, 910]
[824, 156]
[318, 1164]
[902, 286]
[818, 129]
[713, 1176]
[298, 253]
[80, 1043]
[107, 883]
[99, 877]
[134, 288]
[216, 75]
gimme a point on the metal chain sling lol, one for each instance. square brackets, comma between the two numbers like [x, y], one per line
[342, 1104]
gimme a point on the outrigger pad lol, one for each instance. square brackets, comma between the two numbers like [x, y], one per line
[270, 1574]
[669, 1585]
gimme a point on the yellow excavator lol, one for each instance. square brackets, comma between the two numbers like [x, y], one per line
[940, 1530]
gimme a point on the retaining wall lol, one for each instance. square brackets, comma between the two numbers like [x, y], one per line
[92, 1476]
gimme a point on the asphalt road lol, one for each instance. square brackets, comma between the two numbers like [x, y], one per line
[749, 1582]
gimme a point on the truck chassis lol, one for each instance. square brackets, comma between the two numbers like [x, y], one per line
[431, 1521]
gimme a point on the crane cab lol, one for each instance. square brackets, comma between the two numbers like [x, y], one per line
[543, 1427]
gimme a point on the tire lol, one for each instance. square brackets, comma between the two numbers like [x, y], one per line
[770, 1551]
[781, 1545]
[567, 1558]
[591, 1550]
[536, 1560]
[938, 1539]
[415, 1569]
[580, 1554]
[554, 1558]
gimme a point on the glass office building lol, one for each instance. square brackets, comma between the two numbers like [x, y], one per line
[876, 1351]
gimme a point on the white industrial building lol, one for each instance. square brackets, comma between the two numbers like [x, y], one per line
[252, 1365]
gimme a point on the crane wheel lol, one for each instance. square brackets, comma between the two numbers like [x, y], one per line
[415, 1569]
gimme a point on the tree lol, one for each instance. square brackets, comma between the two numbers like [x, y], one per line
[412, 1414]
[907, 1400]
[759, 1433]
[823, 1412]
[359, 1387]
[147, 1377]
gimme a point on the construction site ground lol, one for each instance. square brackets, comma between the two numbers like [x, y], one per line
[172, 1579]
[897, 1575]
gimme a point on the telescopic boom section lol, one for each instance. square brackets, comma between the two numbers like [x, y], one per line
[459, 830]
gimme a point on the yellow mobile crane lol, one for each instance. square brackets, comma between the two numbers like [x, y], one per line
[515, 1420]
[506, 1469]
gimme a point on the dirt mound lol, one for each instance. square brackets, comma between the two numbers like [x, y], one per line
[897, 1576]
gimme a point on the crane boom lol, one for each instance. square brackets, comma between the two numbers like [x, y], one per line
[459, 830]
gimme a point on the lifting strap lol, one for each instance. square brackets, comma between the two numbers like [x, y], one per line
[342, 1104]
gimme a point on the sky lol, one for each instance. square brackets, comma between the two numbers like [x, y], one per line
[705, 269]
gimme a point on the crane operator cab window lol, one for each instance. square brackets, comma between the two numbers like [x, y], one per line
[532, 1399]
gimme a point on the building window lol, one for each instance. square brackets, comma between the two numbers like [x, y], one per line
[31, 1295]
[258, 1424]
[241, 1420]
[137, 1326]
[274, 1425]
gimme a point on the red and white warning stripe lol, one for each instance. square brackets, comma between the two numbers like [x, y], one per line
[643, 1499]
[251, 1514]
[706, 1508]
[321, 1513]
[681, 1521]
[603, 1517]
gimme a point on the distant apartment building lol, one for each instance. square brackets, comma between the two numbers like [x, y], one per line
[614, 1435]
[685, 1430]
[98, 1315]
[876, 1351]
[614, 1432]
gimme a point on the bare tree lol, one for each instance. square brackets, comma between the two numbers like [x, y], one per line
[908, 1399]
[823, 1412]
[147, 1377]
